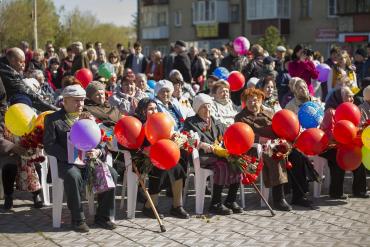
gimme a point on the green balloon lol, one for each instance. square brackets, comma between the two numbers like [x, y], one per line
[366, 157]
[106, 70]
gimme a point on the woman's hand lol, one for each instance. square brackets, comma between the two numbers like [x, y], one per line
[93, 153]
[208, 148]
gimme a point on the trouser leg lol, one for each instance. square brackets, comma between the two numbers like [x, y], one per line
[73, 188]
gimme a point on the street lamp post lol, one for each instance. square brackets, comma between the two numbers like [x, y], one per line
[35, 38]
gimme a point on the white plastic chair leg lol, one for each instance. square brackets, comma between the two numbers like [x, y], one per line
[44, 183]
[124, 188]
[200, 189]
[264, 191]
[132, 182]
[57, 191]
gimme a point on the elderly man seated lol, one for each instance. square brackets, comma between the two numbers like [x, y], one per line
[57, 126]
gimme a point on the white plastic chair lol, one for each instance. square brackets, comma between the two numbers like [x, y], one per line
[200, 179]
[58, 190]
[130, 181]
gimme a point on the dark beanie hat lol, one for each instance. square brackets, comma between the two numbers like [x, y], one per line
[93, 87]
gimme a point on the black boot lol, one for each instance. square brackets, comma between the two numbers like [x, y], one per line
[279, 198]
[37, 201]
[8, 202]
[216, 205]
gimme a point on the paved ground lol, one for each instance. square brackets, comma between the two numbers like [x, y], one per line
[334, 223]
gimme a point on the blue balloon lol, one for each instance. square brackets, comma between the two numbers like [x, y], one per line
[151, 83]
[310, 115]
[221, 73]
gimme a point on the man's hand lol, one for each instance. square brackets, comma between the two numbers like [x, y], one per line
[93, 154]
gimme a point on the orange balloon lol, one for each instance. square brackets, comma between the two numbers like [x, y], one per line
[238, 138]
[312, 141]
[164, 154]
[41, 118]
[285, 124]
[129, 132]
[158, 126]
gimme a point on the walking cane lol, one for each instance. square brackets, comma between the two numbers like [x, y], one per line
[263, 198]
[163, 229]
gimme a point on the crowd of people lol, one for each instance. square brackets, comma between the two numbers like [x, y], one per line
[197, 100]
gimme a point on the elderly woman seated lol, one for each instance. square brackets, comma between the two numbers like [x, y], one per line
[126, 96]
[274, 171]
[141, 84]
[168, 104]
[210, 132]
[301, 96]
[223, 109]
[158, 179]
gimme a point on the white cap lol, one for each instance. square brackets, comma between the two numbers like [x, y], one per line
[252, 82]
[200, 100]
[73, 91]
[163, 84]
[281, 48]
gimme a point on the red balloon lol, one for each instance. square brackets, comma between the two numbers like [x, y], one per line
[129, 132]
[344, 131]
[285, 124]
[312, 141]
[158, 126]
[236, 81]
[238, 138]
[84, 76]
[348, 111]
[164, 154]
[349, 157]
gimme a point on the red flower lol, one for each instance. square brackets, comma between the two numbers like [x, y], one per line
[182, 120]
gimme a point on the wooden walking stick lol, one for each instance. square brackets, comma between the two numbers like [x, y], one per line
[163, 229]
[263, 198]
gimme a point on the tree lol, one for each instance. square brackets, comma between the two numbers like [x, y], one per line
[16, 22]
[271, 39]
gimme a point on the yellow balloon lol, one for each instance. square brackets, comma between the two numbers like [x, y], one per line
[40, 119]
[365, 137]
[20, 119]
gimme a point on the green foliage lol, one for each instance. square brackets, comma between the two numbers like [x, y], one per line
[62, 28]
[271, 39]
[16, 22]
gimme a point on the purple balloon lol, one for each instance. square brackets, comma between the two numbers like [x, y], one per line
[241, 45]
[324, 71]
[85, 134]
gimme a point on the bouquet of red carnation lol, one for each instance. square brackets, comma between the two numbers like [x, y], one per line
[249, 166]
[186, 140]
[277, 149]
[32, 142]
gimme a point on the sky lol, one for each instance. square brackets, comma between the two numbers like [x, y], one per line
[118, 12]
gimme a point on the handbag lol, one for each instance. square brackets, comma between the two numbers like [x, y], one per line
[103, 180]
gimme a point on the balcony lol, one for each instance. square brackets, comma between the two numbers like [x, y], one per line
[148, 33]
[353, 7]
[213, 30]
[210, 12]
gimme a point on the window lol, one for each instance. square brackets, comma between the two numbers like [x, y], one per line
[306, 8]
[178, 18]
[162, 19]
[204, 11]
[332, 8]
[234, 13]
[267, 9]
[345, 7]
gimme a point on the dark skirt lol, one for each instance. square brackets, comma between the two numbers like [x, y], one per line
[160, 179]
[223, 174]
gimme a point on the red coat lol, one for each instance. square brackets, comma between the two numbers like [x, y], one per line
[305, 70]
[56, 82]
[158, 71]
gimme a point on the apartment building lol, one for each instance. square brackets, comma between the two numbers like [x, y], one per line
[210, 23]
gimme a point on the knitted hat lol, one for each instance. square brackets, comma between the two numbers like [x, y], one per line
[200, 100]
[163, 84]
[93, 87]
[73, 91]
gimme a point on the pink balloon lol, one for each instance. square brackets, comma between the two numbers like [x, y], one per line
[241, 45]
